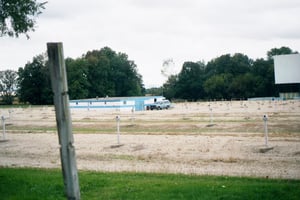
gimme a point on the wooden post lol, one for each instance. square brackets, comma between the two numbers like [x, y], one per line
[63, 119]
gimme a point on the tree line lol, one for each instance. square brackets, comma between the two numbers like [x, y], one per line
[104, 72]
[225, 77]
[98, 73]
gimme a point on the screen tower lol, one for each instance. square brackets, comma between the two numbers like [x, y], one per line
[287, 75]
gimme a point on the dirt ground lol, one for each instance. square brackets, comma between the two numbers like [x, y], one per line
[211, 138]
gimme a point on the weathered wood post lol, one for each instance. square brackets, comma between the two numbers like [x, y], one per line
[63, 119]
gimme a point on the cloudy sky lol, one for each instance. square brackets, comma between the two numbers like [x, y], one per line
[151, 31]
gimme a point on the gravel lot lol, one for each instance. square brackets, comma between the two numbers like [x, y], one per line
[214, 138]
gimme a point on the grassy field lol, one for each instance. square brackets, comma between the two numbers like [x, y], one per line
[27, 183]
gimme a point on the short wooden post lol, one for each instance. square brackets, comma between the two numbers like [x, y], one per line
[63, 120]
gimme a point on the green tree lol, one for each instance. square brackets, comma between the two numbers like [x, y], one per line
[112, 74]
[8, 83]
[96, 74]
[99, 76]
[170, 87]
[226, 77]
[34, 84]
[235, 65]
[77, 73]
[128, 82]
[279, 51]
[19, 17]
[263, 70]
[243, 86]
[189, 83]
[216, 87]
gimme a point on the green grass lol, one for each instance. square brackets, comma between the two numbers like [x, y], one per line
[23, 106]
[24, 183]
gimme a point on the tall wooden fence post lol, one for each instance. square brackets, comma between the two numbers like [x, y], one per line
[63, 119]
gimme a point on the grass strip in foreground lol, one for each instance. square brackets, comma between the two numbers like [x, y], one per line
[27, 183]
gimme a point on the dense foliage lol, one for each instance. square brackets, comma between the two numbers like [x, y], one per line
[7, 86]
[111, 74]
[104, 72]
[34, 82]
[98, 73]
[18, 17]
[225, 77]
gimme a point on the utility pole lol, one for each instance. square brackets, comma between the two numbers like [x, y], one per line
[63, 120]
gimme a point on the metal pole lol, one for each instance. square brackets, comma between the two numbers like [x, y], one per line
[63, 119]
[211, 116]
[118, 128]
[132, 116]
[3, 125]
[265, 119]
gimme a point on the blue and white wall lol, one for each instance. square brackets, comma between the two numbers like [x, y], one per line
[115, 103]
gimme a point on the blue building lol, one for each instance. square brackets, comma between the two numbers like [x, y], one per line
[116, 103]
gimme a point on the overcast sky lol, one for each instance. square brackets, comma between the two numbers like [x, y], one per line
[151, 31]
